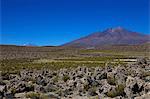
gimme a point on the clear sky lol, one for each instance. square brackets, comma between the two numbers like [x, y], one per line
[55, 22]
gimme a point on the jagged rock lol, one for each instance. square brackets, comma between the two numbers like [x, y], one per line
[101, 76]
[51, 95]
[24, 87]
[67, 92]
[79, 97]
[108, 68]
[79, 82]
[142, 61]
[111, 78]
[95, 83]
[145, 96]
[8, 95]
[20, 95]
[147, 68]
[92, 92]
[2, 88]
[133, 86]
[40, 80]
[120, 78]
[50, 88]
[120, 75]
[39, 88]
[147, 87]
[118, 97]
[1, 95]
[147, 79]
[105, 87]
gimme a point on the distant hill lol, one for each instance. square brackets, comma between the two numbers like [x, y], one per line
[36, 52]
[17, 52]
[111, 36]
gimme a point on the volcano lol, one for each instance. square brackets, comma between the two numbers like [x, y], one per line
[110, 36]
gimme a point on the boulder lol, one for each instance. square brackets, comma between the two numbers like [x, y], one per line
[147, 87]
[2, 88]
[141, 61]
[147, 79]
[145, 96]
[51, 95]
[133, 86]
[8, 95]
[92, 92]
[105, 87]
[20, 95]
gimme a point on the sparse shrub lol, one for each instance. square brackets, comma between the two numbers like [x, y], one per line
[92, 91]
[13, 90]
[96, 97]
[33, 95]
[119, 91]
[65, 78]
[56, 78]
[42, 96]
[86, 87]
[145, 74]
[111, 80]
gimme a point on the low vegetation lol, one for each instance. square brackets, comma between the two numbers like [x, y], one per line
[118, 91]
[44, 67]
[33, 95]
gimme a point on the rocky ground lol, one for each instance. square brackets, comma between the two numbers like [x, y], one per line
[130, 81]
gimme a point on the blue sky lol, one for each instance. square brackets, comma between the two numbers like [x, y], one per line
[55, 22]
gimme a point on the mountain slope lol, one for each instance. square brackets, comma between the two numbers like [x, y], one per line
[111, 36]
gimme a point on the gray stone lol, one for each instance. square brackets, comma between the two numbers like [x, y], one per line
[8, 95]
[20, 95]
[145, 96]
[2, 88]
[133, 86]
